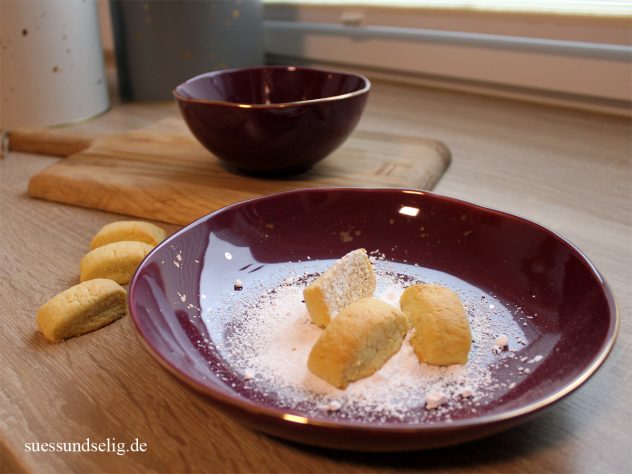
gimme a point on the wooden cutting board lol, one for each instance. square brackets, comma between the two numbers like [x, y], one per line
[162, 173]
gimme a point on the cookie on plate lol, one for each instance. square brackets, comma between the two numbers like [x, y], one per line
[358, 342]
[349, 279]
[442, 333]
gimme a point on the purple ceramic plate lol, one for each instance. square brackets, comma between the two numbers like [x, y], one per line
[516, 277]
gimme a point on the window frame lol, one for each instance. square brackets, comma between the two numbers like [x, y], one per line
[582, 60]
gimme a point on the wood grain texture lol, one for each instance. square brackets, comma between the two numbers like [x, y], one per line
[161, 172]
[570, 171]
[46, 141]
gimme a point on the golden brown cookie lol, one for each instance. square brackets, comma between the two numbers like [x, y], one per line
[442, 333]
[357, 342]
[81, 308]
[117, 261]
[139, 231]
[351, 278]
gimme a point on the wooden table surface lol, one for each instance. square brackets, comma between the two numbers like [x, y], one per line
[565, 169]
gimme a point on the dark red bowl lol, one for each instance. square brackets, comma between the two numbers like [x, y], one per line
[273, 119]
[571, 314]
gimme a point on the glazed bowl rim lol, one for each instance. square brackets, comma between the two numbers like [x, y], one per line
[281, 415]
[278, 105]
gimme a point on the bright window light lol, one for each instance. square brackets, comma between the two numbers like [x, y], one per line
[582, 7]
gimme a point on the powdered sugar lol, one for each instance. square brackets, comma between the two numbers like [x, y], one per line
[271, 336]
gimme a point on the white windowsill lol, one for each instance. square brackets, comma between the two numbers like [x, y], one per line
[583, 62]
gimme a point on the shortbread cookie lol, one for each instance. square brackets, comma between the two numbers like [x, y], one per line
[117, 261]
[351, 278]
[442, 333]
[81, 308]
[139, 231]
[357, 342]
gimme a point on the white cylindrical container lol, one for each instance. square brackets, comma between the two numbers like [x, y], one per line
[51, 62]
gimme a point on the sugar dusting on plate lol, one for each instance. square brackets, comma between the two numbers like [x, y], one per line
[269, 341]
